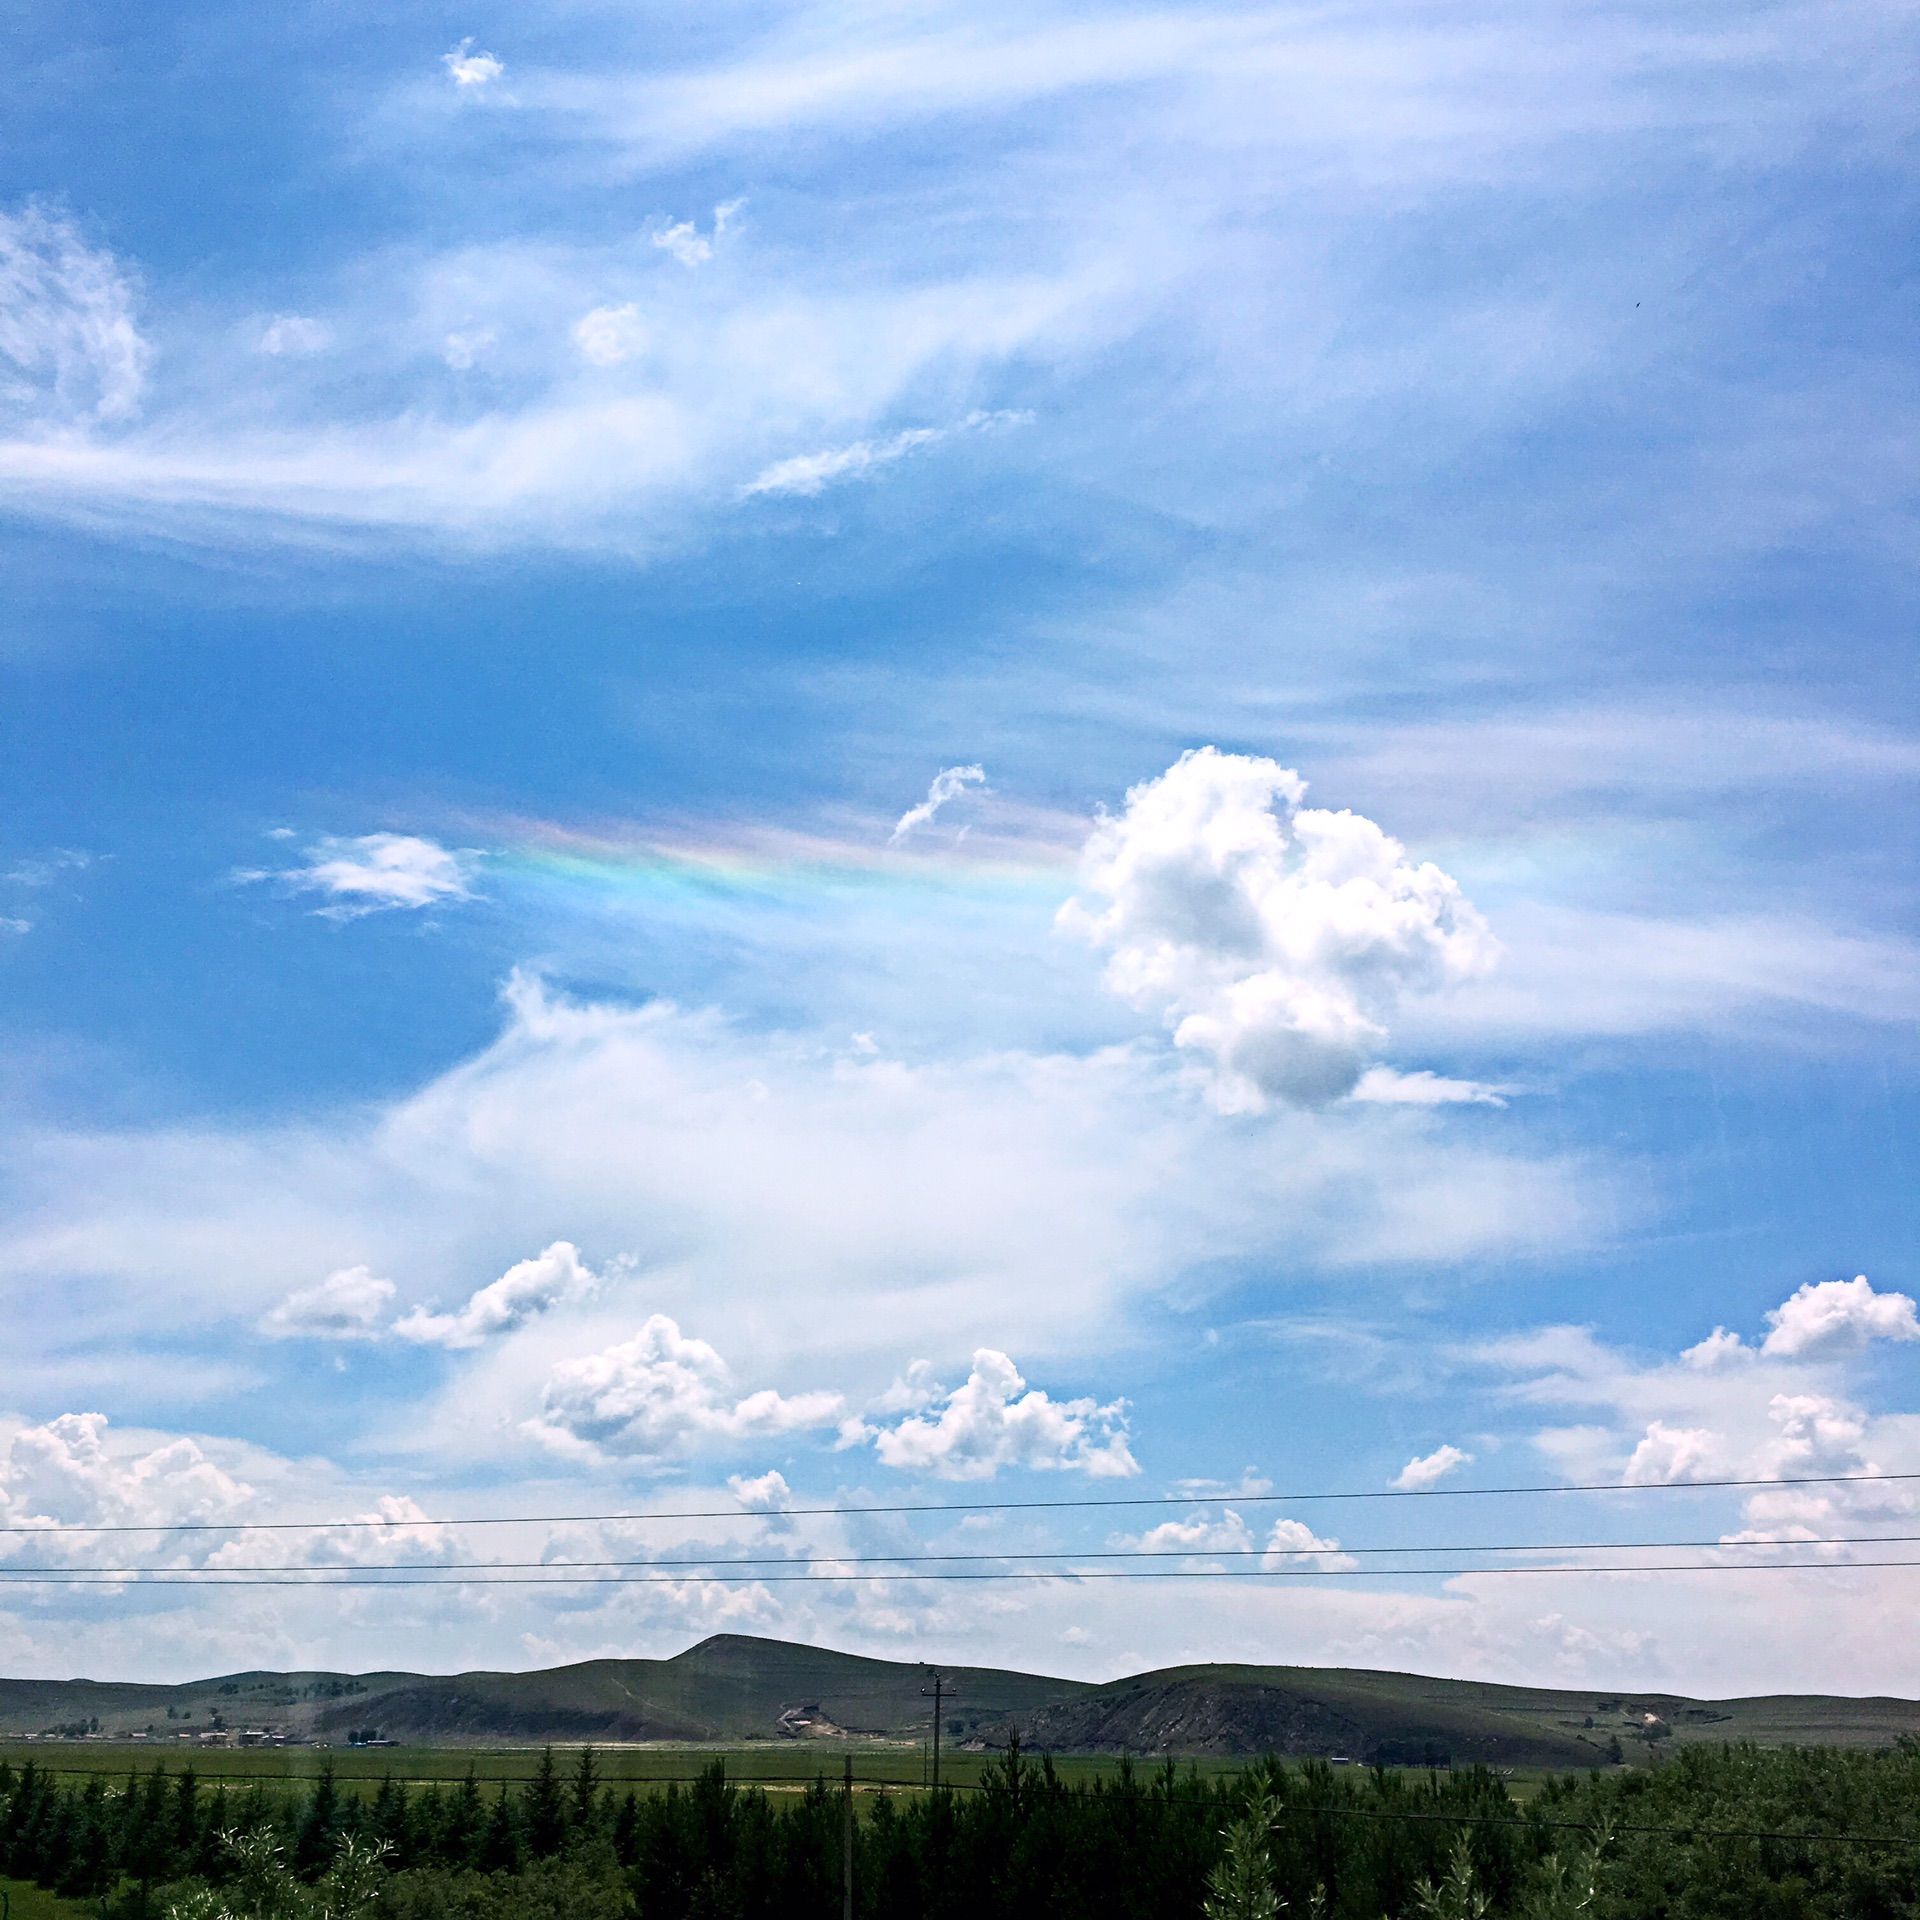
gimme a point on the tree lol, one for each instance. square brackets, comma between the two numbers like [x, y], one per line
[1241, 1886]
[546, 1811]
[586, 1790]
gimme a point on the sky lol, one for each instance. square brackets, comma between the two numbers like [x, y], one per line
[835, 755]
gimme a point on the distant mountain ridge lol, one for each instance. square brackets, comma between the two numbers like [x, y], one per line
[734, 1688]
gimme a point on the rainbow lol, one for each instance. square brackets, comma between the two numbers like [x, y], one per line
[776, 868]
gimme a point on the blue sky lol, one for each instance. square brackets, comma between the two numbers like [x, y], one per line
[1387, 537]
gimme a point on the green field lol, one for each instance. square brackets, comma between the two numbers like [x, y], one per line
[25, 1901]
[783, 1766]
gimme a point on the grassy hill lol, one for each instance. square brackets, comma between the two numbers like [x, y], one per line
[733, 1689]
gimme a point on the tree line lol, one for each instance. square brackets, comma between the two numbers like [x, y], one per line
[1728, 1833]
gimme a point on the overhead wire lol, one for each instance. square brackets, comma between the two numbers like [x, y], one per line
[1223, 1496]
[323, 1579]
[978, 1557]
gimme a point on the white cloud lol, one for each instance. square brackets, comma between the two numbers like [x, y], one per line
[851, 1211]
[687, 243]
[610, 336]
[1293, 1543]
[470, 70]
[294, 336]
[71, 353]
[995, 1420]
[347, 1305]
[807, 474]
[1837, 1316]
[948, 784]
[73, 1471]
[1383, 1087]
[1429, 1469]
[659, 1394]
[1288, 1542]
[12, 923]
[555, 1277]
[1276, 939]
[1667, 1453]
[764, 1493]
[466, 347]
[375, 872]
[1720, 1348]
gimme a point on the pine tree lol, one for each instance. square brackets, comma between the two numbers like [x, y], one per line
[546, 1809]
[586, 1791]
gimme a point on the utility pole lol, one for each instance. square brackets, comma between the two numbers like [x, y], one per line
[938, 1690]
[846, 1846]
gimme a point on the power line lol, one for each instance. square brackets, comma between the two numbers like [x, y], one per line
[660, 1515]
[976, 1558]
[322, 1579]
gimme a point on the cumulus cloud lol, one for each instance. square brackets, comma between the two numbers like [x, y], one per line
[347, 1305]
[1720, 1348]
[1837, 1316]
[1668, 1453]
[554, 1277]
[294, 336]
[996, 1420]
[73, 1471]
[948, 784]
[378, 872]
[1429, 1469]
[1275, 939]
[471, 71]
[71, 353]
[610, 336]
[659, 1394]
[1288, 1542]
[762, 1493]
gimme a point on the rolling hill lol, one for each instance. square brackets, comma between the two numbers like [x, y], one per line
[733, 1689]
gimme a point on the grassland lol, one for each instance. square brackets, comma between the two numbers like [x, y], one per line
[25, 1901]
[785, 1765]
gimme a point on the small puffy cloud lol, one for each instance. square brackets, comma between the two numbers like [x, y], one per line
[807, 474]
[659, 1394]
[764, 1493]
[610, 336]
[948, 784]
[1288, 1542]
[471, 71]
[293, 336]
[466, 347]
[1837, 1316]
[1275, 939]
[554, 1277]
[1721, 1348]
[378, 872]
[995, 1420]
[13, 924]
[1429, 1469]
[1294, 1543]
[70, 1472]
[347, 1305]
[684, 240]
[71, 352]
[1667, 1454]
